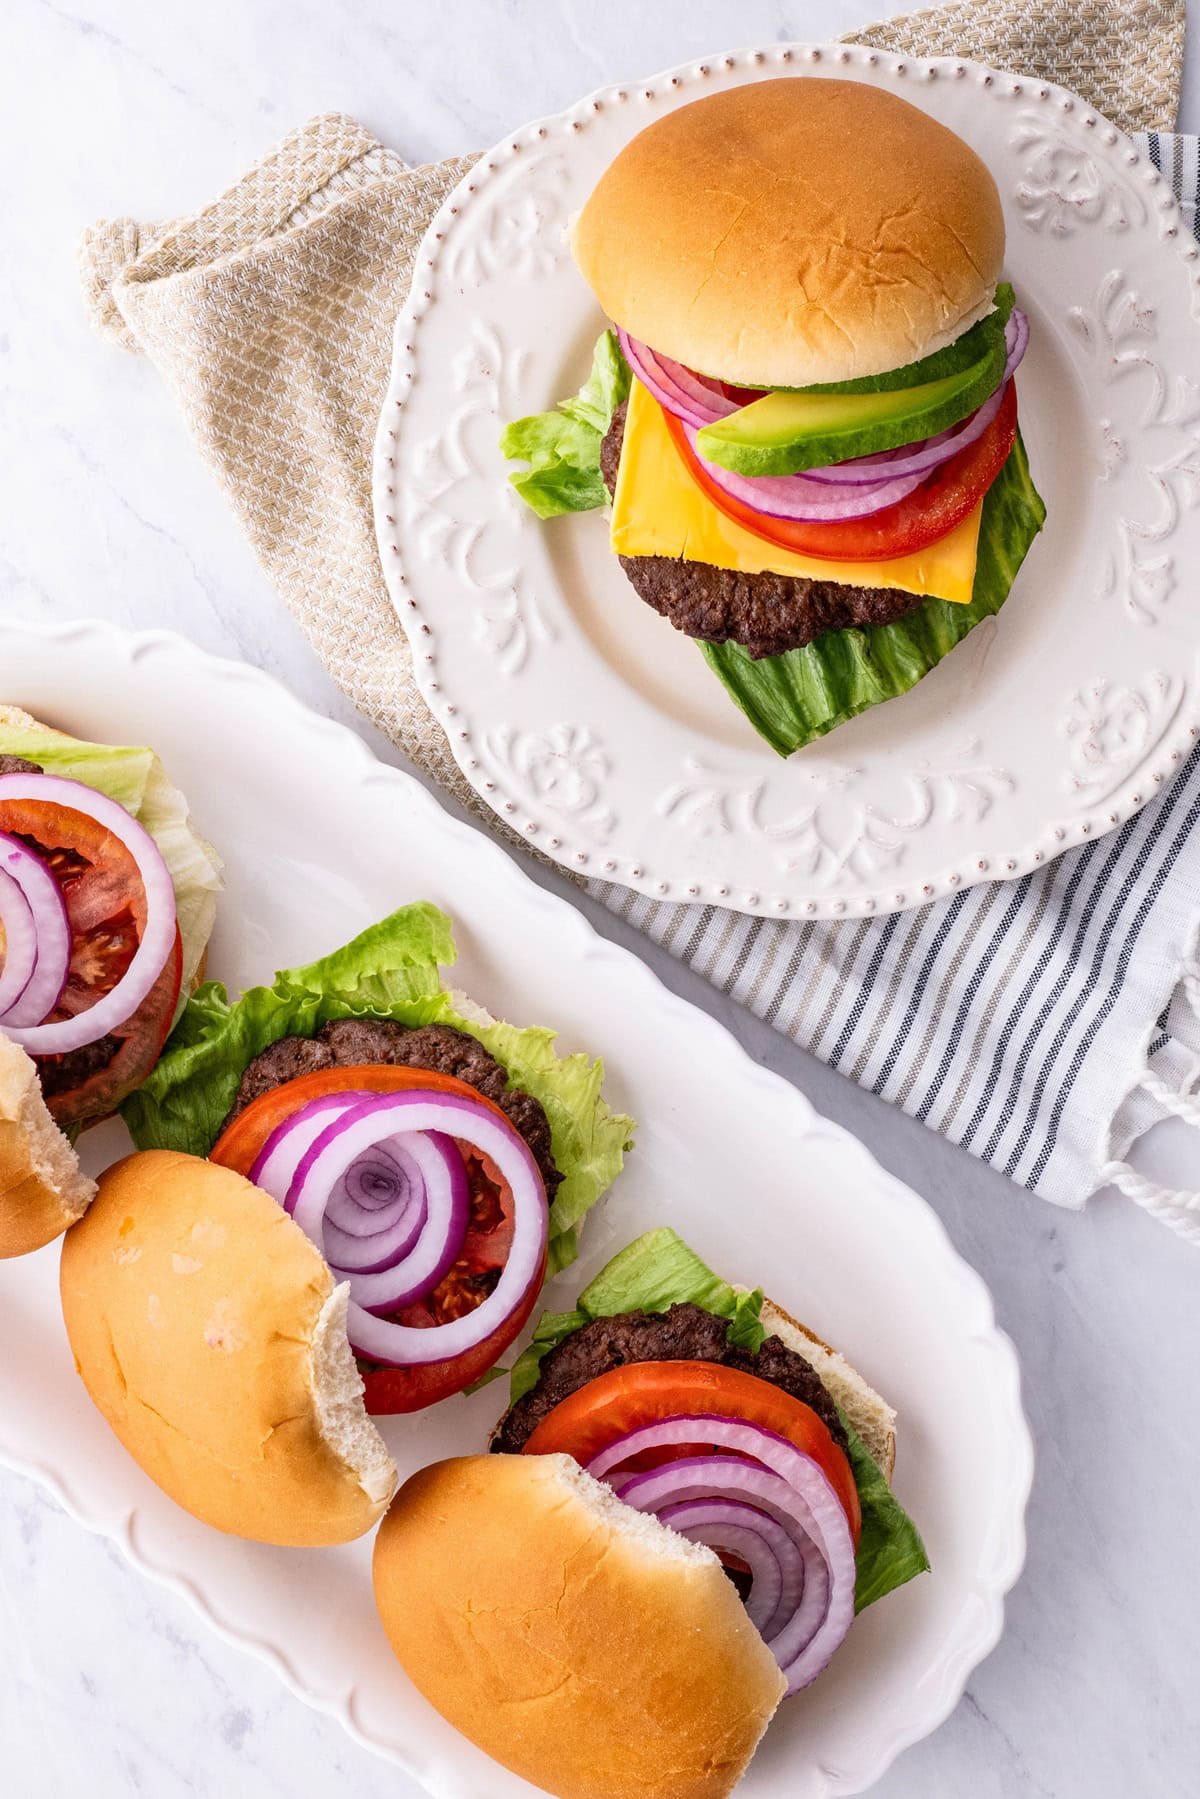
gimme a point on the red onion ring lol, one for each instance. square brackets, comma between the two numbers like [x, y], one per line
[739, 1529]
[810, 501]
[20, 943]
[931, 452]
[351, 1246]
[275, 1166]
[157, 940]
[438, 1185]
[787, 1486]
[423, 1116]
[856, 488]
[360, 1236]
[1016, 338]
[689, 396]
[44, 900]
[703, 1477]
[366, 1233]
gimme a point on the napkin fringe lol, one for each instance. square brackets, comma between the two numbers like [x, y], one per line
[1170, 1090]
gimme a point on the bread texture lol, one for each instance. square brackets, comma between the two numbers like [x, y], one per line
[208, 1331]
[794, 231]
[43, 1190]
[872, 1417]
[580, 1643]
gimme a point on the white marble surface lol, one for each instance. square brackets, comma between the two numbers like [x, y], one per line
[108, 1684]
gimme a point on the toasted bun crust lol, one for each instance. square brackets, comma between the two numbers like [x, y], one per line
[17, 719]
[871, 1416]
[208, 1332]
[793, 231]
[581, 1644]
[42, 1188]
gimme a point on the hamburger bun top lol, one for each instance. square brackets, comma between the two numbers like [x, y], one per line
[580, 1643]
[208, 1331]
[42, 1187]
[794, 231]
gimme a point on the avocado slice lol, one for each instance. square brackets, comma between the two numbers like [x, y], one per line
[787, 431]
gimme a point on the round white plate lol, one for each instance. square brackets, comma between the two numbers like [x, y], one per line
[319, 839]
[598, 731]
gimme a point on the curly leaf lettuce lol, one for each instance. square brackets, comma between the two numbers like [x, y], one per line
[562, 447]
[391, 971]
[657, 1271]
[137, 780]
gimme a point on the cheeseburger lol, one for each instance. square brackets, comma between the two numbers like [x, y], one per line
[687, 1503]
[805, 417]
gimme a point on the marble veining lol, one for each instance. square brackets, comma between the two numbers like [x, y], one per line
[109, 1684]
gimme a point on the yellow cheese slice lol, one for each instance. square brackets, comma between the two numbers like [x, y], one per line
[658, 510]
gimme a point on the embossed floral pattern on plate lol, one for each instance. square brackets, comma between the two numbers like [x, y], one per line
[595, 730]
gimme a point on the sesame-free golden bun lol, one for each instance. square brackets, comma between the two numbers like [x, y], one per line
[42, 1187]
[794, 231]
[208, 1331]
[580, 1643]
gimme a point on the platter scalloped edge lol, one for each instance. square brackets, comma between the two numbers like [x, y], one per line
[581, 835]
[981, 1614]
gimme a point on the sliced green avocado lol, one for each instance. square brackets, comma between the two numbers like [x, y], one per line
[785, 432]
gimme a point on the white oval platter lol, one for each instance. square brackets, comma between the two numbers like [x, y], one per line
[598, 732]
[319, 839]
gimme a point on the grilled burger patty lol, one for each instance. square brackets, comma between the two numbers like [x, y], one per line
[352, 1042]
[686, 1333]
[766, 613]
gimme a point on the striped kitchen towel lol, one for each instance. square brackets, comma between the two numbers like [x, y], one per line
[1042, 1023]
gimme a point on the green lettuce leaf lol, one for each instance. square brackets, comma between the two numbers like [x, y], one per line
[651, 1274]
[137, 780]
[563, 447]
[890, 1550]
[798, 696]
[657, 1271]
[392, 971]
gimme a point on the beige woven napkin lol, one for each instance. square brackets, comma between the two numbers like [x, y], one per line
[270, 314]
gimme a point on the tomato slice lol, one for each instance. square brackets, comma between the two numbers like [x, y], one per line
[484, 1251]
[625, 1398]
[932, 510]
[89, 1083]
[106, 910]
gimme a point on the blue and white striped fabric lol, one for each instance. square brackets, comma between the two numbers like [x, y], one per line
[1015, 1018]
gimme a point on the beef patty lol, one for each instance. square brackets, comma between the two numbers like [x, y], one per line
[686, 1333]
[19, 765]
[766, 613]
[349, 1042]
[62, 1074]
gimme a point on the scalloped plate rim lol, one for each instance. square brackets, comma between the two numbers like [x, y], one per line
[965, 1648]
[551, 833]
